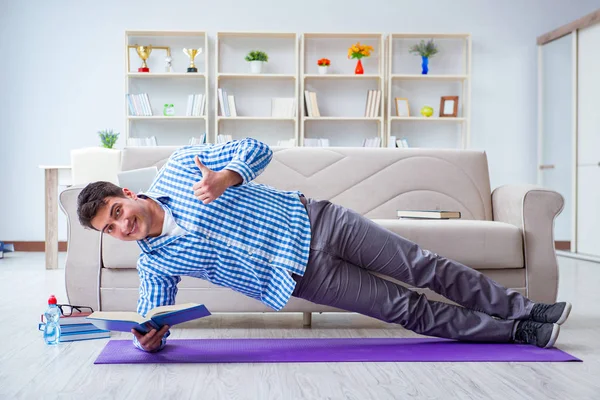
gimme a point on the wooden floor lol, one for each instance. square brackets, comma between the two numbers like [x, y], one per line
[29, 369]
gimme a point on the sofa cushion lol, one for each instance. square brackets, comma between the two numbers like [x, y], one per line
[477, 244]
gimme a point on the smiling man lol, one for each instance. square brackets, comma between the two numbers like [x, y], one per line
[204, 217]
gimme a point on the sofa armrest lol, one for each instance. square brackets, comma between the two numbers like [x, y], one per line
[533, 210]
[83, 254]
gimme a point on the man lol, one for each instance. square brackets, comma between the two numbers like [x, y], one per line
[204, 217]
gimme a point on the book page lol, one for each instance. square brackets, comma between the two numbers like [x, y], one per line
[118, 316]
[167, 309]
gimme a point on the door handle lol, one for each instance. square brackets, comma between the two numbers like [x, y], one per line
[547, 166]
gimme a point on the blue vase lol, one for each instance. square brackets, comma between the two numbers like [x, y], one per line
[425, 65]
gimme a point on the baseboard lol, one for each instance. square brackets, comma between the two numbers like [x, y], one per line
[562, 245]
[36, 246]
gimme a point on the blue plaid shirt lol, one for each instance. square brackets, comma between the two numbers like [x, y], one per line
[249, 239]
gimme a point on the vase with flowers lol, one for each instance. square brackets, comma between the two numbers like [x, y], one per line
[425, 50]
[323, 64]
[359, 51]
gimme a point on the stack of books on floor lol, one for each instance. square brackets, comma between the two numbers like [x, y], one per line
[76, 327]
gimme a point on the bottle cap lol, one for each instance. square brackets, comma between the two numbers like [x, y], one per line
[52, 299]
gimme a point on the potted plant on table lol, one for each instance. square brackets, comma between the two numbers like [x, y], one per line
[359, 51]
[425, 50]
[108, 138]
[257, 58]
[323, 64]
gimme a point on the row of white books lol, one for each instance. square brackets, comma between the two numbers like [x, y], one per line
[198, 140]
[283, 107]
[144, 141]
[226, 104]
[372, 104]
[139, 104]
[393, 142]
[371, 142]
[312, 106]
[224, 138]
[318, 142]
[196, 105]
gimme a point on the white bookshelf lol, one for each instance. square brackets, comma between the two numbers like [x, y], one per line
[166, 87]
[449, 75]
[253, 92]
[341, 94]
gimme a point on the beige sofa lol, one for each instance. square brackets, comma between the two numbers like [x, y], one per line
[507, 233]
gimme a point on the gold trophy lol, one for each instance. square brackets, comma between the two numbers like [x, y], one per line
[192, 53]
[144, 53]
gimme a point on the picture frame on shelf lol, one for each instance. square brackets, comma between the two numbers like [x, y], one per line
[402, 107]
[449, 106]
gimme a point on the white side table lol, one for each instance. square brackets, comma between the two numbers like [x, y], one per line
[55, 176]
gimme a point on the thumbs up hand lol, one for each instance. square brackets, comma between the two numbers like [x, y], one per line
[212, 184]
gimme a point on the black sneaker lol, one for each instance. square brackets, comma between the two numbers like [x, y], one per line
[556, 313]
[536, 333]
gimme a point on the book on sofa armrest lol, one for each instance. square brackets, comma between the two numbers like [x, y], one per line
[428, 214]
[156, 318]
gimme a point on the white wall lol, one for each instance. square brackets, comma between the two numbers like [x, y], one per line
[61, 77]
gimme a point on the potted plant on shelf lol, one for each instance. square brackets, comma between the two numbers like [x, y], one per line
[257, 58]
[425, 50]
[108, 138]
[323, 64]
[359, 51]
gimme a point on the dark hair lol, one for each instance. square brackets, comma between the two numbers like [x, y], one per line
[92, 198]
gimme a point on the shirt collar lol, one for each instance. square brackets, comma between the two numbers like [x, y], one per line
[152, 243]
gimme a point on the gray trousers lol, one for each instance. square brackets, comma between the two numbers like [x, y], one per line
[346, 247]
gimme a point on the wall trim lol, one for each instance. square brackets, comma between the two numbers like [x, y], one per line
[583, 22]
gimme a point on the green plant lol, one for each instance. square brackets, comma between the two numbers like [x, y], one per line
[108, 138]
[428, 49]
[257, 55]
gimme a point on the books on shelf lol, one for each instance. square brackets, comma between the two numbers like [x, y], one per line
[198, 140]
[139, 104]
[428, 214]
[372, 103]
[371, 142]
[123, 321]
[394, 142]
[227, 104]
[312, 106]
[283, 107]
[147, 141]
[319, 142]
[196, 105]
[287, 143]
[224, 138]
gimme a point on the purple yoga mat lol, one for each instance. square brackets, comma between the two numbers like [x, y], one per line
[325, 350]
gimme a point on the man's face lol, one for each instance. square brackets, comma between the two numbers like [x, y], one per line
[127, 218]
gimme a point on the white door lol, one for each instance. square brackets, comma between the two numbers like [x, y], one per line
[588, 145]
[556, 158]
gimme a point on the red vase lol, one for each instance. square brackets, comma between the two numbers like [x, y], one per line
[359, 68]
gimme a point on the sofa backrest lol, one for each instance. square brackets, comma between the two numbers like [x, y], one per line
[372, 181]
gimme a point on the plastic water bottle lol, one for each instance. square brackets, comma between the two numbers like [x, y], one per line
[52, 328]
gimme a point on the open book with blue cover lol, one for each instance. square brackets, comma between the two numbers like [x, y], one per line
[124, 321]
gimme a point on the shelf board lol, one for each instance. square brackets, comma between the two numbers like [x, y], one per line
[256, 76]
[241, 34]
[256, 118]
[429, 35]
[430, 119]
[342, 76]
[342, 35]
[430, 77]
[165, 33]
[166, 75]
[342, 118]
[162, 117]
